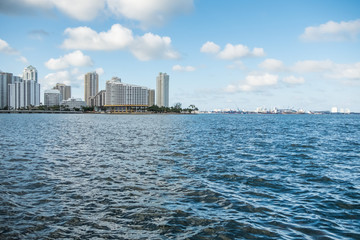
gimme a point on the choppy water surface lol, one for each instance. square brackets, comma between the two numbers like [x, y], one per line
[179, 177]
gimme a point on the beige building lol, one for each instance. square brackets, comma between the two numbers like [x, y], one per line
[91, 86]
[65, 91]
[162, 90]
[151, 97]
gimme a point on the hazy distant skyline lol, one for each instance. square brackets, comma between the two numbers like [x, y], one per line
[219, 54]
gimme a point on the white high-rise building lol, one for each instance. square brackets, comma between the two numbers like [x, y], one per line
[91, 86]
[52, 97]
[30, 73]
[162, 90]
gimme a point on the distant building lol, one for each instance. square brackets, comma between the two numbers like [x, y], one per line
[334, 110]
[72, 103]
[5, 80]
[30, 73]
[14, 93]
[52, 97]
[91, 86]
[65, 91]
[122, 97]
[99, 99]
[151, 93]
[162, 90]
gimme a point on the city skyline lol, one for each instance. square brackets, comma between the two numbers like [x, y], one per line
[300, 55]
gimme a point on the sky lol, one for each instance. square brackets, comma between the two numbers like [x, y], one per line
[233, 54]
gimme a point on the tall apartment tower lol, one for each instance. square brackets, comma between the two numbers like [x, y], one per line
[31, 87]
[5, 80]
[65, 91]
[162, 90]
[91, 86]
[30, 73]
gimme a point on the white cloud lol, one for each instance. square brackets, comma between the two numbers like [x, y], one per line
[84, 10]
[312, 66]
[293, 80]
[253, 82]
[23, 59]
[237, 65]
[210, 47]
[183, 68]
[149, 12]
[258, 52]
[231, 52]
[332, 31]
[100, 71]
[147, 47]
[51, 79]
[151, 46]
[5, 48]
[118, 37]
[345, 71]
[75, 59]
[271, 64]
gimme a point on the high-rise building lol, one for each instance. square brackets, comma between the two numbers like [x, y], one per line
[52, 97]
[65, 91]
[123, 97]
[151, 97]
[5, 80]
[162, 90]
[91, 86]
[30, 73]
[99, 99]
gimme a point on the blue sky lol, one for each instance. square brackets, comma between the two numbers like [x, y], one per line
[219, 54]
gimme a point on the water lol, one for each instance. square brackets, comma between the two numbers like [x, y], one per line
[179, 176]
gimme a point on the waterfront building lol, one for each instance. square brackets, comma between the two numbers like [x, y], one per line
[65, 91]
[151, 93]
[123, 97]
[72, 103]
[30, 73]
[99, 99]
[14, 93]
[162, 90]
[91, 86]
[52, 97]
[5, 80]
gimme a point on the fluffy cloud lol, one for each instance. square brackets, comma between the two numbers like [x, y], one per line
[312, 66]
[151, 46]
[231, 52]
[253, 82]
[293, 80]
[149, 12]
[210, 47]
[271, 64]
[118, 37]
[75, 59]
[183, 68]
[146, 47]
[5, 48]
[332, 31]
[51, 79]
[100, 71]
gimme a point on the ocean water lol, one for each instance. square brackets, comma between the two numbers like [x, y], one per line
[179, 176]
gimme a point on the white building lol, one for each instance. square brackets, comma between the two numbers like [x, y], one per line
[30, 73]
[72, 103]
[122, 97]
[91, 86]
[52, 97]
[162, 90]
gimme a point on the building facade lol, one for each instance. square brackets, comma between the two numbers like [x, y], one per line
[91, 86]
[99, 99]
[122, 97]
[65, 91]
[151, 97]
[52, 97]
[72, 103]
[30, 73]
[5, 80]
[162, 90]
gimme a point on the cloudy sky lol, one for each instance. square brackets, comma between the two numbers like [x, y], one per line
[238, 54]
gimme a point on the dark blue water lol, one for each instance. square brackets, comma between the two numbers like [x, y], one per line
[179, 176]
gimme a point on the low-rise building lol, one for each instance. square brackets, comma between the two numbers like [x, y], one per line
[72, 103]
[52, 97]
